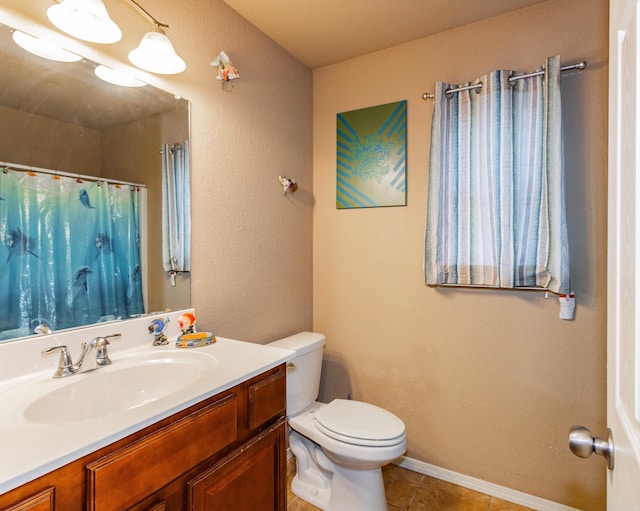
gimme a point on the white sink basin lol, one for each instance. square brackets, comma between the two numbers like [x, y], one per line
[128, 383]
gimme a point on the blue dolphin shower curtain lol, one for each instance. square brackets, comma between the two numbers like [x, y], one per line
[495, 206]
[71, 252]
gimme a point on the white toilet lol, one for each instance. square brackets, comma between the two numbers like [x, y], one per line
[339, 447]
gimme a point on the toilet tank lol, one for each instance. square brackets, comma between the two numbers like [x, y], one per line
[303, 377]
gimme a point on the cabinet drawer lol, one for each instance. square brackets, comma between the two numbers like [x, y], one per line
[267, 399]
[129, 475]
[41, 501]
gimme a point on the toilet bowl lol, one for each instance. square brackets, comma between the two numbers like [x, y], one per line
[340, 446]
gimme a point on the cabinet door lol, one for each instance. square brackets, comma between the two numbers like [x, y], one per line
[41, 501]
[253, 478]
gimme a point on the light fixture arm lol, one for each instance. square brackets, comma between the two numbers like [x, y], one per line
[145, 13]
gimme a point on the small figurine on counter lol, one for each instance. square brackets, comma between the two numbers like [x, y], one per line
[157, 328]
[187, 323]
[189, 337]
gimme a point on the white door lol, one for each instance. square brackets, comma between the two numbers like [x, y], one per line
[623, 314]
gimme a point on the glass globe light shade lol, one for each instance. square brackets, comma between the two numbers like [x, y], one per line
[43, 48]
[156, 55]
[85, 19]
[117, 77]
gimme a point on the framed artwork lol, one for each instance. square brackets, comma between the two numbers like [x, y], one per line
[372, 157]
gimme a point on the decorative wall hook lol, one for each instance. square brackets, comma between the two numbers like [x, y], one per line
[289, 185]
[226, 70]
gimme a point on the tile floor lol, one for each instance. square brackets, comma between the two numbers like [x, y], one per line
[410, 491]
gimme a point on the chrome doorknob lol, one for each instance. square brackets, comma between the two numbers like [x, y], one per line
[583, 444]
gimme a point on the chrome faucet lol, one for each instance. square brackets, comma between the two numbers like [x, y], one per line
[88, 359]
[94, 355]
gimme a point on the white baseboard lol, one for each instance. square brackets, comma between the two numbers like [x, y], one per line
[495, 490]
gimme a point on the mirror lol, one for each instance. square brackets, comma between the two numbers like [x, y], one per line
[61, 116]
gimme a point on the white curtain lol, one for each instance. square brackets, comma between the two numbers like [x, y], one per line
[176, 213]
[495, 206]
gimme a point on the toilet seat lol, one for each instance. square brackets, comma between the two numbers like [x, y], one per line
[359, 423]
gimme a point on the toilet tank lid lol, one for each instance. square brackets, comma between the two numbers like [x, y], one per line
[301, 343]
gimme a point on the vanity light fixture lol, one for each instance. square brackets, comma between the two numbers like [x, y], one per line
[43, 48]
[116, 77]
[156, 54]
[88, 20]
[85, 19]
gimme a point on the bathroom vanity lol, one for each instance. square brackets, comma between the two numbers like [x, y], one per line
[217, 444]
[227, 452]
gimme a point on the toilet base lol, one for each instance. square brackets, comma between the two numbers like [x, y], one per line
[332, 487]
[359, 490]
[311, 483]
[311, 493]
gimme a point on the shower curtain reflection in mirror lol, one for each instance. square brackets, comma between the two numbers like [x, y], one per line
[71, 252]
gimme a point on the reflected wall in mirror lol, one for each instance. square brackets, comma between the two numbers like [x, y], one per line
[61, 116]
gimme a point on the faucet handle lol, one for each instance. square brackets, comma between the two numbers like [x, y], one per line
[65, 365]
[102, 356]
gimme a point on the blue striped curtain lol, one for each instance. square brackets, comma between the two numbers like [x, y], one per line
[176, 204]
[495, 205]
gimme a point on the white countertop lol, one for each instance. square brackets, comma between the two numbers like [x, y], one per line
[29, 450]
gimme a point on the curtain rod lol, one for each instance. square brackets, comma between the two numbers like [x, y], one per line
[17, 166]
[479, 286]
[580, 66]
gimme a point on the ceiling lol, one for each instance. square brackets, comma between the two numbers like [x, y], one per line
[323, 32]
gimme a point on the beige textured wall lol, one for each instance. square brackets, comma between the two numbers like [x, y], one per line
[488, 382]
[252, 252]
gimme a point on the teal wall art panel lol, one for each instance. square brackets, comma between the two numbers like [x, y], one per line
[372, 157]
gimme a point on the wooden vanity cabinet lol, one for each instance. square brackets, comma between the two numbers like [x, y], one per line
[227, 452]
